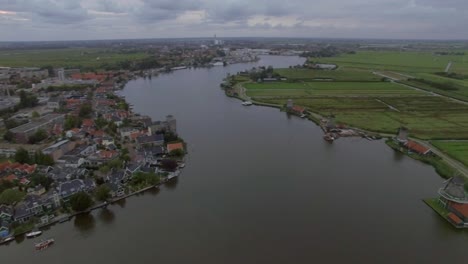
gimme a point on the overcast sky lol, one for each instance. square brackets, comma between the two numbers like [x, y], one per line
[118, 19]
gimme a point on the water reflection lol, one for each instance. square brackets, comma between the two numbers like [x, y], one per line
[85, 223]
[106, 215]
[121, 203]
[172, 183]
[153, 191]
[19, 239]
[397, 156]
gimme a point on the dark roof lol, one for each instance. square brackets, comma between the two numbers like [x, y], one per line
[71, 187]
[455, 188]
[6, 209]
[133, 167]
[150, 139]
[4, 224]
[458, 180]
[21, 211]
[89, 183]
[154, 150]
[116, 177]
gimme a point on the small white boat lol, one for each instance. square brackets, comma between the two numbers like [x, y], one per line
[182, 165]
[303, 116]
[247, 103]
[33, 234]
[7, 239]
[44, 244]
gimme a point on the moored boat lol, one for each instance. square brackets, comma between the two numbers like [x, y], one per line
[33, 234]
[329, 137]
[44, 244]
[247, 103]
[6, 240]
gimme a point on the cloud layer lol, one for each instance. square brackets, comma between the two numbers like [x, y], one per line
[104, 19]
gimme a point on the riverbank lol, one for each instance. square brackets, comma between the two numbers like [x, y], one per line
[67, 217]
[369, 116]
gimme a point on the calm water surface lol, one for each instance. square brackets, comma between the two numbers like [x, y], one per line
[259, 187]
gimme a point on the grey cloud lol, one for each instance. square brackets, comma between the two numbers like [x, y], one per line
[158, 10]
[307, 18]
[50, 11]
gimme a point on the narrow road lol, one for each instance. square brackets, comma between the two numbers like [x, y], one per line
[393, 80]
[450, 161]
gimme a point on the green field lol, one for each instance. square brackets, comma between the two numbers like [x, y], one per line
[427, 117]
[341, 74]
[346, 89]
[404, 61]
[69, 57]
[459, 91]
[456, 149]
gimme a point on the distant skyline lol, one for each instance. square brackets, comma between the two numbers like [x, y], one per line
[43, 20]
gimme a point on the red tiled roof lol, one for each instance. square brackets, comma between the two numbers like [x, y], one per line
[88, 122]
[175, 146]
[5, 165]
[461, 208]
[97, 133]
[24, 181]
[416, 147]
[11, 177]
[108, 154]
[136, 134]
[297, 108]
[454, 218]
[89, 76]
[15, 165]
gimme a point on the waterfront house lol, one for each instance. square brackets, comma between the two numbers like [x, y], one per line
[153, 140]
[69, 188]
[22, 214]
[454, 198]
[4, 229]
[116, 190]
[417, 148]
[51, 200]
[175, 146]
[33, 204]
[6, 213]
[169, 125]
[132, 168]
[117, 177]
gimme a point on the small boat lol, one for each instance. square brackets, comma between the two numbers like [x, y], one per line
[33, 234]
[328, 137]
[64, 219]
[182, 165]
[303, 116]
[7, 239]
[247, 103]
[44, 244]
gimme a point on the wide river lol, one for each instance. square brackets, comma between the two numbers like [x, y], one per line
[259, 187]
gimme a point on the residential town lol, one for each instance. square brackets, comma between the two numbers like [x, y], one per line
[71, 144]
